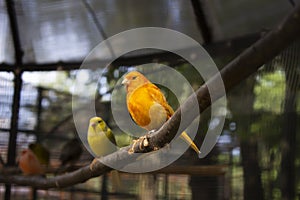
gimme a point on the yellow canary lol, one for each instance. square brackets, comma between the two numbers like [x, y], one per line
[148, 106]
[103, 142]
[100, 137]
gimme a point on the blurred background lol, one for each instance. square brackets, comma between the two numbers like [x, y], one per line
[44, 42]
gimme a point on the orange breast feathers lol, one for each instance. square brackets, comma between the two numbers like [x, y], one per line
[148, 107]
[29, 163]
[145, 102]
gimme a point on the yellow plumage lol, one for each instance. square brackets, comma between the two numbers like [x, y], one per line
[148, 106]
[100, 137]
[102, 142]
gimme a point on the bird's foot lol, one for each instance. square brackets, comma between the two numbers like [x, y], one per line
[93, 164]
[142, 143]
[131, 149]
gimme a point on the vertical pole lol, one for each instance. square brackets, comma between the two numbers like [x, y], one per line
[12, 143]
[166, 186]
[104, 193]
[201, 20]
[39, 113]
[10, 6]
[11, 156]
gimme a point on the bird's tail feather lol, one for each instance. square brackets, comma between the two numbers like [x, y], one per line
[188, 140]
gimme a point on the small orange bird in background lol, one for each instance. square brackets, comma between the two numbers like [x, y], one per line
[29, 163]
[148, 106]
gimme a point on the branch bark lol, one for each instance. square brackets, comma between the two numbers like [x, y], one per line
[233, 73]
[236, 71]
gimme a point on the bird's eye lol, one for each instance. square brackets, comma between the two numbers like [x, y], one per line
[134, 77]
[99, 121]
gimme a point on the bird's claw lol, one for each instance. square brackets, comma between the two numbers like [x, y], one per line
[131, 150]
[92, 165]
[142, 141]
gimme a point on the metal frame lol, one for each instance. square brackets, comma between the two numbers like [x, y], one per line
[221, 48]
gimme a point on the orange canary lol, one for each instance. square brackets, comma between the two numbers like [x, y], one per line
[148, 106]
[29, 163]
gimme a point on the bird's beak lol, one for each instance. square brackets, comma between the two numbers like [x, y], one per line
[93, 125]
[125, 81]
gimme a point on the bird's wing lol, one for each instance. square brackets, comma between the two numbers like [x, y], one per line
[159, 98]
[110, 135]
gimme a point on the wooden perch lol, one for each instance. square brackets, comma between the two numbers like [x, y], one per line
[241, 67]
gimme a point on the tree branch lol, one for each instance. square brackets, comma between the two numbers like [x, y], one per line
[233, 73]
[241, 67]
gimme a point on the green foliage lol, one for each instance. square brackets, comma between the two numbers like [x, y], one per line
[270, 91]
